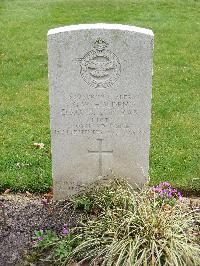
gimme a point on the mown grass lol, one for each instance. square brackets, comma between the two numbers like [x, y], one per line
[24, 111]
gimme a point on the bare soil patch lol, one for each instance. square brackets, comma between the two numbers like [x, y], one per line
[20, 215]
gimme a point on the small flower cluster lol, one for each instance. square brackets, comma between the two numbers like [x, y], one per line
[65, 230]
[166, 192]
[44, 234]
[39, 236]
[45, 202]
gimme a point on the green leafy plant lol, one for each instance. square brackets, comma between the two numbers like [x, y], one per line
[49, 246]
[83, 202]
[135, 229]
[44, 238]
[102, 198]
[131, 227]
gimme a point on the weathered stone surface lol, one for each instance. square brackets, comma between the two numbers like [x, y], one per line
[100, 79]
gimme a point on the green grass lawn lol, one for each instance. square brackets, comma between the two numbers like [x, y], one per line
[24, 111]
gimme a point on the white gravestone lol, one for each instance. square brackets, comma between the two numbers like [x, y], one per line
[100, 79]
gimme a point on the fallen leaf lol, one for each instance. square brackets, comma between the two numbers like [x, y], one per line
[85, 263]
[28, 194]
[7, 191]
[18, 165]
[167, 208]
[38, 145]
[21, 165]
[48, 196]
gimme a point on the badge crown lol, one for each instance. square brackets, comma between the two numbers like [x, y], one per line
[100, 44]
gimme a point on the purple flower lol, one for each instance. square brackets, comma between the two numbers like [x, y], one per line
[40, 238]
[165, 184]
[169, 195]
[65, 231]
[161, 194]
[157, 189]
[180, 197]
[165, 191]
[44, 202]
